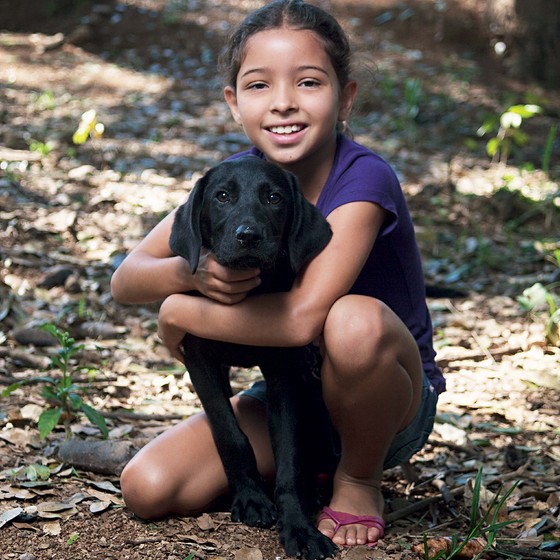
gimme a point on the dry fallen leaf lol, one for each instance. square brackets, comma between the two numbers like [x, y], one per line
[443, 545]
[7, 516]
[246, 553]
[51, 528]
[98, 507]
[205, 522]
[25, 526]
[104, 496]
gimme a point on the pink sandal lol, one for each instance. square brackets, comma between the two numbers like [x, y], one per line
[340, 518]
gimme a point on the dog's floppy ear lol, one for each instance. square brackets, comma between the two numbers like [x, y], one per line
[309, 233]
[186, 233]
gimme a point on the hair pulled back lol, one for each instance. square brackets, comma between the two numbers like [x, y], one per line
[290, 14]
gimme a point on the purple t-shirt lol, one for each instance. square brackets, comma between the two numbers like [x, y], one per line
[393, 271]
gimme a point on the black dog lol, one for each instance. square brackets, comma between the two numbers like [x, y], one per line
[251, 214]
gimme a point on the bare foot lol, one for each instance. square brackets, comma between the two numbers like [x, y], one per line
[357, 497]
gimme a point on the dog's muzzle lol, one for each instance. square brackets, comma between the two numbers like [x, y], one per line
[247, 236]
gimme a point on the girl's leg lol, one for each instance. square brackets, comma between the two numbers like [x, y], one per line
[180, 471]
[372, 383]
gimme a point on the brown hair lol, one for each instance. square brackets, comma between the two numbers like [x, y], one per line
[293, 14]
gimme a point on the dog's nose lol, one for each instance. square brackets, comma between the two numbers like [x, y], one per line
[247, 235]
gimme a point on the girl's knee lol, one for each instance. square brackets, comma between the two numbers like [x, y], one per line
[144, 490]
[358, 327]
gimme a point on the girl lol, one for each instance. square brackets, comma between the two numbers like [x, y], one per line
[359, 306]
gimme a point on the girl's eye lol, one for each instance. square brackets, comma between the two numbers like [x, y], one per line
[222, 196]
[257, 85]
[309, 83]
[274, 198]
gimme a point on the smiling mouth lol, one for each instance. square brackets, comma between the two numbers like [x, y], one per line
[288, 129]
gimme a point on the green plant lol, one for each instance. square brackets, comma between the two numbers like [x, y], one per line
[43, 148]
[45, 101]
[538, 298]
[63, 396]
[509, 133]
[88, 127]
[482, 525]
[413, 94]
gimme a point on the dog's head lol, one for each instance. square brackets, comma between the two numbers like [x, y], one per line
[247, 211]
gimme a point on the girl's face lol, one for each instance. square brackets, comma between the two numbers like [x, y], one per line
[288, 98]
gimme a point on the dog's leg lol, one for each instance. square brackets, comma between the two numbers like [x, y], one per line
[250, 505]
[298, 534]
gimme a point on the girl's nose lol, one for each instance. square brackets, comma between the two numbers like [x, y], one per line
[284, 100]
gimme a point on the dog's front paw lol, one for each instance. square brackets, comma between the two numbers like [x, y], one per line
[305, 540]
[254, 508]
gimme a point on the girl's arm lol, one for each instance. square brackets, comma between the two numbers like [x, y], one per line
[151, 272]
[292, 318]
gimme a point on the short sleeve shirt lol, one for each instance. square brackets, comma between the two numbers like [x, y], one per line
[393, 271]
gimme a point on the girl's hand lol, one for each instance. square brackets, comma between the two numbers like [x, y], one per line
[170, 334]
[222, 284]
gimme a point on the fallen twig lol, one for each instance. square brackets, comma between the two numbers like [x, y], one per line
[421, 505]
[141, 416]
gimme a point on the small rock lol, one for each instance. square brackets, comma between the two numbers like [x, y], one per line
[81, 173]
[27, 556]
[97, 329]
[55, 276]
[34, 336]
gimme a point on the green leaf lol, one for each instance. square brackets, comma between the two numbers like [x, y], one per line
[86, 127]
[75, 400]
[95, 418]
[519, 137]
[52, 329]
[50, 395]
[56, 361]
[525, 111]
[535, 297]
[492, 146]
[487, 126]
[48, 420]
[11, 388]
[509, 119]
[37, 472]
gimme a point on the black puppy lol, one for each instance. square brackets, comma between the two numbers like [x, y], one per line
[251, 214]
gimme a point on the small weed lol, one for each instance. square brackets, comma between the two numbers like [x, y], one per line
[30, 473]
[541, 299]
[508, 133]
[62, 395]
[72, 539]
[483, 527]
[45, 101]
[88, 127]
[413, 94]
[43, 148]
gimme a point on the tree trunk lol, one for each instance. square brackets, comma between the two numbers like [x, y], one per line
[531, 31]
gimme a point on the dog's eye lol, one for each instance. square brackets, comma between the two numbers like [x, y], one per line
[222, 196]
[274, 198]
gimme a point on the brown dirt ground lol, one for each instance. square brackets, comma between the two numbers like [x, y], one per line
[148, 68]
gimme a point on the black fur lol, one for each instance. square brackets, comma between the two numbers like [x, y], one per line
[250, 213]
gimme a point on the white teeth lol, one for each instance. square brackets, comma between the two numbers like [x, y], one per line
[286, 129]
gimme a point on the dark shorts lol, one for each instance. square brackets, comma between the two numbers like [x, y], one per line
[406, 443]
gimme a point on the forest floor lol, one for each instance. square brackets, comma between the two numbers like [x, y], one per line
[68, 213]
